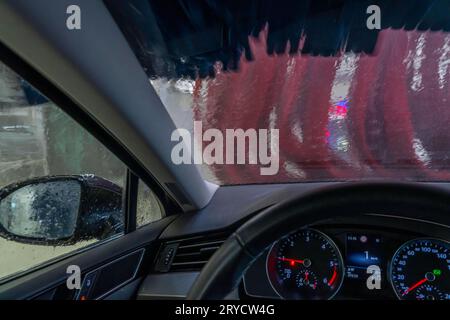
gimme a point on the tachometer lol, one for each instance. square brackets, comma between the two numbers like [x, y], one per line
[305, 265]
[420, 270]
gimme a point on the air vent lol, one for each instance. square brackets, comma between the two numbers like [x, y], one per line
[188, 254]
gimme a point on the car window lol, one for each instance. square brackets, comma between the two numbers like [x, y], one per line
[149, 208]
[60, 189]
[339, 102]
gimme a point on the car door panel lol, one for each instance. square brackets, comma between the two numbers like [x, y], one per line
[43, 282]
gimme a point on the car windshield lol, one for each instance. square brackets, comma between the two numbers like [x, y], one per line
[352, 97]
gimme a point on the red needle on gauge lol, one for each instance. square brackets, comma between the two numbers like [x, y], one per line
[292, 262]
[333, 277]
[418, 283]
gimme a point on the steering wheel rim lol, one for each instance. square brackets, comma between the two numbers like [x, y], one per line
[224, 271]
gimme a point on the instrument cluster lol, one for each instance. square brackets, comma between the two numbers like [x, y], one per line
[352, 263]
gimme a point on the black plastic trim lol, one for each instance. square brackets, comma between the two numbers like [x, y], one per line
[140, 252]
[130, 201]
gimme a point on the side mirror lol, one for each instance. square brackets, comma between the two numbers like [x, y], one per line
[60, 210]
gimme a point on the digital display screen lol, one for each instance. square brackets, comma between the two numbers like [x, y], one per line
[363, 250]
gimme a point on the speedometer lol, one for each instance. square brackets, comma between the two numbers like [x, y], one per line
[420, 270]
[305, 265]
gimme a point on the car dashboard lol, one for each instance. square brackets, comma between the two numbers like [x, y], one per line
[376, 257]
[361, 248]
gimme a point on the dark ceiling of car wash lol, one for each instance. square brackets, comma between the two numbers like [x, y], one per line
[179, 38]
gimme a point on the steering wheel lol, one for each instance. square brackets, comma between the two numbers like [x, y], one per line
[224, 271]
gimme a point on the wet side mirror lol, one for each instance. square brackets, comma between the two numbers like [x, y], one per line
[60, 210]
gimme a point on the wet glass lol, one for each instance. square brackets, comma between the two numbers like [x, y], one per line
[149, 208]
[43, 210]
[37, 139]
[363, 107]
